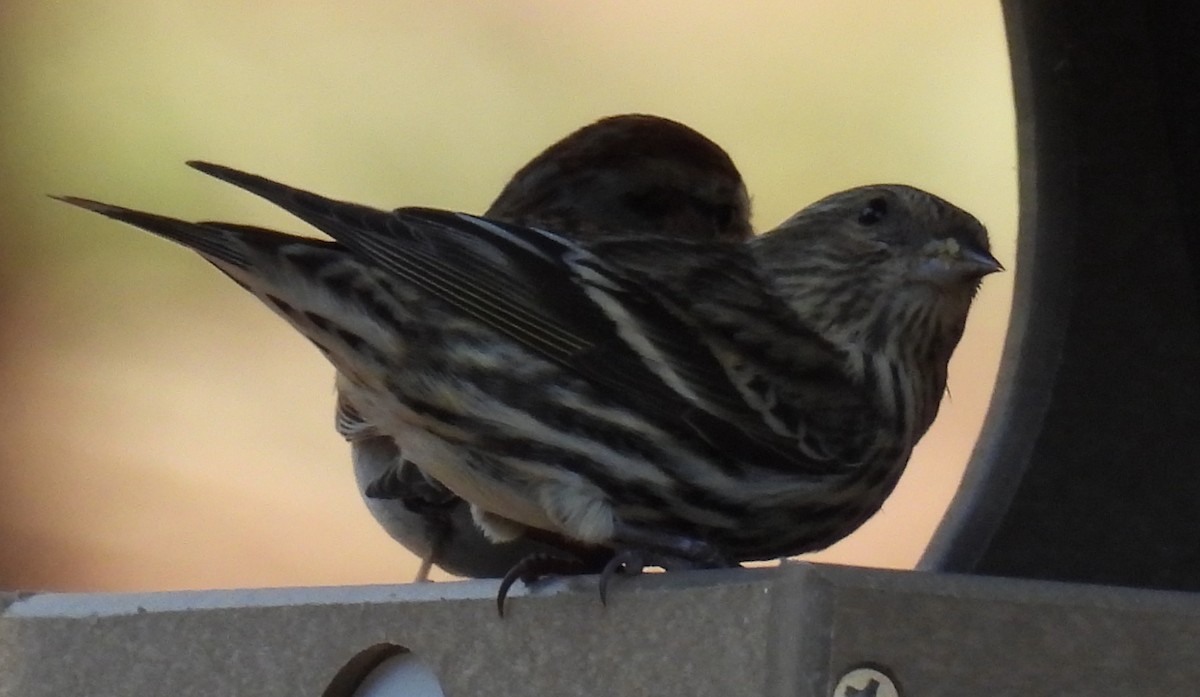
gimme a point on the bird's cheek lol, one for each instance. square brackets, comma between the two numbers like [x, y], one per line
[940, 271]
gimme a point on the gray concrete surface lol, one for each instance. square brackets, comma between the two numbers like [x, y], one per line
[792, 630]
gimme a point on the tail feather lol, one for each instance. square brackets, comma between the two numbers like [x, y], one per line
[220, 243]
[328, 215]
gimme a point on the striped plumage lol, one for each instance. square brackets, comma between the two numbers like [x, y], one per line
[627, 175]
[623, 175]
[709, 401]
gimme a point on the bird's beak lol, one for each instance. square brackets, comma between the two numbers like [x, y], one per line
[976, 262]
[949, 262]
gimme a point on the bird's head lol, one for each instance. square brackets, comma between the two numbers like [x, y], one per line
[630, 175]
[882, 267]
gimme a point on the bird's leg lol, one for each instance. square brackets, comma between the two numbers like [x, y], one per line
[423, 571]
[422, 496]
[638, 548]
[629, 562]
[535, 567]
[668, 548]
[419, 495]
[438, 529]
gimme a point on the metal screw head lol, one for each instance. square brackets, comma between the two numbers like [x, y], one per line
[866, 681]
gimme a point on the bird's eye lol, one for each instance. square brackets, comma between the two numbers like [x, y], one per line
[874, 212]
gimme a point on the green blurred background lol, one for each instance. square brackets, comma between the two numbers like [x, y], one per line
[162, 430]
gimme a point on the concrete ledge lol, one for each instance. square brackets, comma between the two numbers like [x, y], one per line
[793, 630]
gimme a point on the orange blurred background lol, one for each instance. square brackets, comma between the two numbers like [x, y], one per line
[162, 430]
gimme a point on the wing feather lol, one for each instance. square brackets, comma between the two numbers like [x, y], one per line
[607, 324]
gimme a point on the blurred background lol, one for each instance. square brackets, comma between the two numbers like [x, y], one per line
[162, 430]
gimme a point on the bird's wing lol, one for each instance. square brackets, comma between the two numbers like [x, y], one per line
[792, 378]
[230, 244]
[551, 296]
[562, 302]
[529, 284]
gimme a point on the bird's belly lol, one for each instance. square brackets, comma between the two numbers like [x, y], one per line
[450, 464]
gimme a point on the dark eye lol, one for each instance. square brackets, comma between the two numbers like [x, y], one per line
[874, 212]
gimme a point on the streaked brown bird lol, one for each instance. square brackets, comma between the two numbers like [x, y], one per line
[623, 175]
[692, 403]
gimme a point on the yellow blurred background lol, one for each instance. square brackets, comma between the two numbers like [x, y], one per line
[162, 430]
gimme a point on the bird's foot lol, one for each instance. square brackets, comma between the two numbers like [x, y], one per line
[534, 568]
[626, 562]
[669, 550]
[632, 561]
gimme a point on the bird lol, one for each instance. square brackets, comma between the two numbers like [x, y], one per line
[621, 175]
[693, 403]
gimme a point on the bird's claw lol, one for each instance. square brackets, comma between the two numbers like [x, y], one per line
[627, 562]
[533, 568]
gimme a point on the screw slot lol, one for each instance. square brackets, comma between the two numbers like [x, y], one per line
[866, 681]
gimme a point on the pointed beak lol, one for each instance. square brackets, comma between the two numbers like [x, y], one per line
[952, 262]
[976, 262]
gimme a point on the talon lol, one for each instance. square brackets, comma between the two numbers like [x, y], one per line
[629, 562]
[502, 594]
[533, 568]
